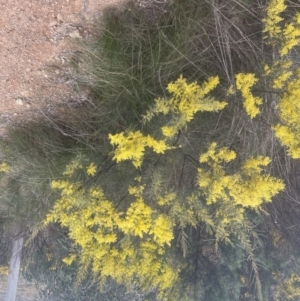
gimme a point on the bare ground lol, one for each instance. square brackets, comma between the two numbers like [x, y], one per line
[34, 34]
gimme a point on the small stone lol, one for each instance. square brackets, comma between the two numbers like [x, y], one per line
[59, 17]
[19, 101]
[24, 93]
[53, 23]
[56, 71]
[74, 34]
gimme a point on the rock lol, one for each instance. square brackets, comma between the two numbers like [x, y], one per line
[24, 93]
[53, 23]
[75, 34]
[19, 101]
[60, 18]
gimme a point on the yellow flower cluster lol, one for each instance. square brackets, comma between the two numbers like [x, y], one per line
[253, 165]
[212, 157]
[254, 192]
[130, 266]
[132, 146]
[248, 188]
[4, 167]
[70, 168]
[166, 199]
[91, 169]
[289, 137]
[281, 71]
[272, 20]
[138, 220]
[4, 270]
[290, 35]
[289, 105]
[66, 187]
[289, 113]
[281, 79]
[108, 238]
[229, 195]
[69, 260]
[75, 165]
[244, 82]
[162, 230]
[287, 36]
[185, 102]
[285, 76]
[289, 289]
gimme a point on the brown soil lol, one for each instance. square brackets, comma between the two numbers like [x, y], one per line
[34, 34]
